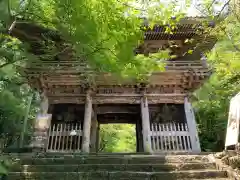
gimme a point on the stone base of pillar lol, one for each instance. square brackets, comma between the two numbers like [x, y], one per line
[40, 135]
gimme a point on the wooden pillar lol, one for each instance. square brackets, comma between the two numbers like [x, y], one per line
[94, 129]
[87, 123]
[97, 137]
[192, 125]
[145, 125]
[41, 126]
[139, 137]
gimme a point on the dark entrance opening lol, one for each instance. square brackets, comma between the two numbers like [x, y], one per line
[120, 128]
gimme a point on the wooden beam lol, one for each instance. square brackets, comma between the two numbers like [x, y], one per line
[118, 100]
[111, 109]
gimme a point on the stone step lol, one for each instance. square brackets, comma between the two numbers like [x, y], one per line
[51, 154]
[56, 155]
[119, 175]
[113, 167]
[112, 160]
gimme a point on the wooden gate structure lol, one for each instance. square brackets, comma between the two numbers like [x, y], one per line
[159, 107]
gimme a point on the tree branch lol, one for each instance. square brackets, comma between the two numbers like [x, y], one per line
[224, 6]
[125, 4]
[230, 38]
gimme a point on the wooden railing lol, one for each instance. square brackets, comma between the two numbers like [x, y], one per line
[181, 65]
[170, 137]
[65, 137]
[73, 66]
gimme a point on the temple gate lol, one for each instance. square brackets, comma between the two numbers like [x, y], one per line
[159, 107]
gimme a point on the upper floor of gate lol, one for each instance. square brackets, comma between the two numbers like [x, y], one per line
[63, 78]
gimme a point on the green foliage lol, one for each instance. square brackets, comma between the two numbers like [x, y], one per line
[5, 163]
[214, 97]
[104, 32]
[117, 138]
[212, 110]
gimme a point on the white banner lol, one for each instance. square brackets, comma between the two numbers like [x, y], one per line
[233, 121]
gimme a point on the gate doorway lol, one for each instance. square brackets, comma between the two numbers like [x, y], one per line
[117, 138]
[120, 128]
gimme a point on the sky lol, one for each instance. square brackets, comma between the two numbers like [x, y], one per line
[193, 10]
[217, 7]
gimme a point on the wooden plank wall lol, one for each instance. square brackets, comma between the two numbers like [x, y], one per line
[170, 137]
[65, 137]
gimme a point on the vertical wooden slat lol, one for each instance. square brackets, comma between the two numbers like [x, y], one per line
[71, 137]
[67, 137]
[60, 137]
[188, 140]
[169, 137]
[64, 137]
[157, 136]
[56, 137]
[186, 127]
[79, 135]
[154, 137]
[164, 137]
[53, 136]
[49, 138]
[75, 137]
[190, 144]
[172, 137]
[161, 136]
[175, 137]
[180, 138]
[184, 139]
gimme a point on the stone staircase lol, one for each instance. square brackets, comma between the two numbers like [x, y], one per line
[115, 167]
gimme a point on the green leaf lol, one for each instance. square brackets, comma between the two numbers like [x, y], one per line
[190, 51]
